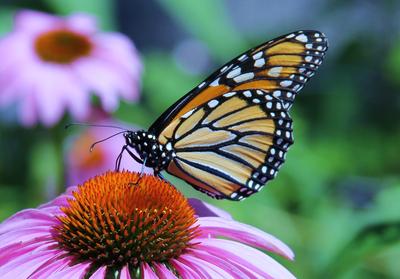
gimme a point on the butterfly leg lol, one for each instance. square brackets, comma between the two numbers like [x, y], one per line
[141, 172]
[159, 175]
[119, 158]
[136, 158]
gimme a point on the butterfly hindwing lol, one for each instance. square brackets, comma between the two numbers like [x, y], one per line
[232, 145]
[281, 67]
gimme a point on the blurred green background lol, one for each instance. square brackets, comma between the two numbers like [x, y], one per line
[336, 201]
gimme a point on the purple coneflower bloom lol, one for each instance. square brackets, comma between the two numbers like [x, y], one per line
[117, 226]
[51, 64]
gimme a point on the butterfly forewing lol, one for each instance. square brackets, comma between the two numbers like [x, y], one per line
[229, 136]
[280, 66]
[232, 145]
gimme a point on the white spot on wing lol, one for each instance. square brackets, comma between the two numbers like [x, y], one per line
[258, 55]
[247, 93]
[277, 94]
[224, 69]
[286, 83]
[234, 73]
[201, 84]
[275, 71]
[302, 38]
[259, 63]
[244, 77]
[215, 82]
[186, 115]
[242, 58]
[229, 94]
[213, 103]
[290, 36]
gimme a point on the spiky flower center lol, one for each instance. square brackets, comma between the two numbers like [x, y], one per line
[62, 46]
[116, 219]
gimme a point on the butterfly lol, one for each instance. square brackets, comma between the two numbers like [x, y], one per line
[229, 135]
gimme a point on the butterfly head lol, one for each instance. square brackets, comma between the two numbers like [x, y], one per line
[147, 147]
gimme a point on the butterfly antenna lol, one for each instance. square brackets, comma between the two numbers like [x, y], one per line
[93, 125]
[107, 138]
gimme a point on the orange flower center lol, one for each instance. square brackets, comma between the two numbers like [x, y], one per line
[115, 220]
[62, 46]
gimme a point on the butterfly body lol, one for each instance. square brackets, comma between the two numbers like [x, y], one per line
[151, 153]
[229, 135]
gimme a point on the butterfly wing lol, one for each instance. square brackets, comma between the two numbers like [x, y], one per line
[230, 134]
[232, 145]
[280, 66]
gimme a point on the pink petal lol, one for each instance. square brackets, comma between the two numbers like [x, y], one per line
[53, 207]
[17, 249]
[100, 273]
[236, 271]
[75, 271]
[34, 21]
[119, 49]
[125, 273]
[147, 272]
[49, 98]
[163, 272]
[96, 77]
[27, 218]
[244, 233]
[184, 270]
[82, 23]
[204, 209]
[75, 95]
[25, 265]
[243, 255]
[51, 267]
[25, 235]
[205, 269]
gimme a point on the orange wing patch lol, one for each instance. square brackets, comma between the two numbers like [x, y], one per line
[285, 47]
[225, 108]
[203, 137]
[262, 125]
[259, 141]
[255, 158]
[175, 170]
[207, 94]
[188, 125]
[239, 116]
[201, 178]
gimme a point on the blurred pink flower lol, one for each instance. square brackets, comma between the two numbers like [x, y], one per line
[51, 64]
[107, 227]
[81, 164]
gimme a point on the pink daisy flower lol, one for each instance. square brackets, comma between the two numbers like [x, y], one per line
[118, 226]
[51, 64]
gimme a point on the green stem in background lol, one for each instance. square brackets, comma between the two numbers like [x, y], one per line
[46, 165]
[58, 134]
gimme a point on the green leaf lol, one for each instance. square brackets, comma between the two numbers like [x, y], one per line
[6, 20]
[208, 21]
[102, 9]
[163, 82]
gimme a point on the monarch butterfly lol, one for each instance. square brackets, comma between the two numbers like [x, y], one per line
[229, 136]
